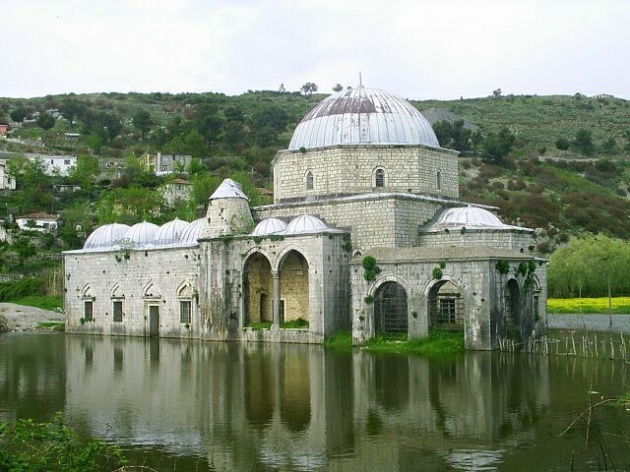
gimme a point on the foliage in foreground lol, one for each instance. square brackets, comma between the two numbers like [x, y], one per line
[620, 305]
[16, 289]
[30, 446]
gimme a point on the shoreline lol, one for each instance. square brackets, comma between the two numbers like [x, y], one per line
[21, 318]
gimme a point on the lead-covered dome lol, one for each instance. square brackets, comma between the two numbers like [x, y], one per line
[106, 236]
[141, 234]
[471, 217]
[170, 233]
[363, 116]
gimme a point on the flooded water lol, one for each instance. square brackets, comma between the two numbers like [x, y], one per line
[203, 406]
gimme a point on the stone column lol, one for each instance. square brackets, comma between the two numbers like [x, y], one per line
[276, 300]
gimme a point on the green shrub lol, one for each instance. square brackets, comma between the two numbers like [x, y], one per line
[16, 289]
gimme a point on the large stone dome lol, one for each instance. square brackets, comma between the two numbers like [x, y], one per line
[363, 116]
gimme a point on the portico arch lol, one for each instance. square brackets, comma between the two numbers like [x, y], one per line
[390, 310]
[446, 307]
[294, 286]
[257, 289]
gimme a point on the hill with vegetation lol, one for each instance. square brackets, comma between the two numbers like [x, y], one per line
[555, 163]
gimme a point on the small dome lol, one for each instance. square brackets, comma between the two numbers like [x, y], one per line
[306, 224]
[192, 232]
[470, 217]
[228, 189]
[142, 234]
[169, 233]
[269, 226]
[363, 116]
[106, 236]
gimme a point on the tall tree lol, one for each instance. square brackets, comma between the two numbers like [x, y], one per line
[583, 142]
[45, 121]
[497, 146]
[18, 114]
[142, 121]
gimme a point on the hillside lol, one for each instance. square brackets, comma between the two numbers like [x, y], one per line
[559, 191]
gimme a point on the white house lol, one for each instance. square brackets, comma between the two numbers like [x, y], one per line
[42, 222]
[6, 181]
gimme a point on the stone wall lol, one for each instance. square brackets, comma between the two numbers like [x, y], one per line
[139, 279]
[502, 239]
[343, 170]
[387, 220]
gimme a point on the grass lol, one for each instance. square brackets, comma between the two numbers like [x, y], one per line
[438, 342]
[620, 305]
[52, 326]
[46, 302]
[300, 323]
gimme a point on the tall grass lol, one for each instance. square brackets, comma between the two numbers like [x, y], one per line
[620, 305]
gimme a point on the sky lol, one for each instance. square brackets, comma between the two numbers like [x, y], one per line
[418, 49]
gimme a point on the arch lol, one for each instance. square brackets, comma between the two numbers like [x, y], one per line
[116, 292]
[257, 289]
[294, 286]
[150, 290]
[512, 309]
[86, 292]
[309, 181]
[184, 290]
[446, 307]
[379, 177]
[390, 310]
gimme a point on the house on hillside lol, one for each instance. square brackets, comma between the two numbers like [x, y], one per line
[43, 222]
[6, 181]
[163, 164]
[63, 165]
[178, 189]
[3, 131]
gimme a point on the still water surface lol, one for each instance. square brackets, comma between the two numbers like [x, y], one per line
[203, 406]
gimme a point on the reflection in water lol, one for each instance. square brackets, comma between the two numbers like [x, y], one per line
[229, 406]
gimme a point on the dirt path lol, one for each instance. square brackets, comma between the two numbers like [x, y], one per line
[26, 318]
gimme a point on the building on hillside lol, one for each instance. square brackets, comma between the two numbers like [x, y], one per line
[62, 165]
[3, 131]
[163, 164]
[177, 190]
[6, 181]
[42, 222]
[366, 233]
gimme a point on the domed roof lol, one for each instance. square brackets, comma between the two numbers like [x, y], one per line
[192, 232]
[269, 226]
[106, 236]
[363, 116]
[306, 224]
[228, 189]
[169, 233]
[141, 234]
[470, 217]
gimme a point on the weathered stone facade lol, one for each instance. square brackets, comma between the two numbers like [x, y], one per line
[366, 235]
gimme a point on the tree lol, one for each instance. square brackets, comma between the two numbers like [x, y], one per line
[142, 121]
[309, 88]
[338, 88]
[18, 114]
[609, 146]
[45, 121]
[562, 144]
[453, 135]
[583, 142]
[497, 93]
[497, 146]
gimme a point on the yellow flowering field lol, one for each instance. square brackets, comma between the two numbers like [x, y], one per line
[620, 305]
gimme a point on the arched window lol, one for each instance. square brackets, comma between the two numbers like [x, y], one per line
[379, 178]
[309, 181]
[438, 180]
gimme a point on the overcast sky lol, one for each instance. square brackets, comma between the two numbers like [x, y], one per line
[418, 49]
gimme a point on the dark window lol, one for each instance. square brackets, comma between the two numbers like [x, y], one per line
[118, 312]
[88, 312]
[379, 178]
[185, 315]
[447, 311]
[309, 181]
[438, 182]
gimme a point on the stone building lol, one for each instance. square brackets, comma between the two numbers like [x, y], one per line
[366, 233]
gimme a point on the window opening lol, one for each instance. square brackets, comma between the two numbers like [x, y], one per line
[118, 312]
[380, 178]
[88, 311]
[185, 315]
[309, 181]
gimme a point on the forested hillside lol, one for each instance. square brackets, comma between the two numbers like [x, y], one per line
[557, 163]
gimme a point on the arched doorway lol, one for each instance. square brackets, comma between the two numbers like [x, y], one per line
[446, 306]
[294, 288]
[390, 310]
[512, 309]
[257, 290]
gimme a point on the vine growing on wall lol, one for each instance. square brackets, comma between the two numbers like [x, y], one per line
[503, 267]
[370, 269]
[437, 271]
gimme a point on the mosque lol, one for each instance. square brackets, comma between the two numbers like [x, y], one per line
[366, 233]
